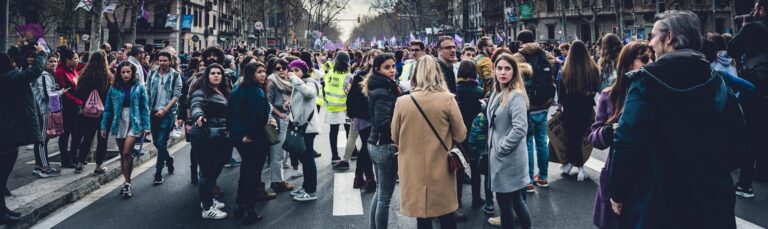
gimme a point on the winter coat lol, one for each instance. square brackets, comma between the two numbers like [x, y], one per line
[468, 98]
[357, 103]
[450, 76]
[113, 109]
[382, 94]
[41, 90]
[679, 136]
[507, 130]
[67, 79]
[525, 58]
[601, 137]
[303, 103]
[248, 112]
[19, 118]
[427, 188]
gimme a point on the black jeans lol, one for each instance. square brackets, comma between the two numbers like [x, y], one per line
[89, 129]
[513, 200]
[211, 154]
[66, 147]
[253, 157]
[308, 162]
[7, 160]
[446, 222]
[364, 164]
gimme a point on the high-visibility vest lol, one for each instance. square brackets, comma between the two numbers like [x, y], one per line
[335, 98]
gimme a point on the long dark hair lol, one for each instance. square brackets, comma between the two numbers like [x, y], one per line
[377, 62]
[119, 78]
[249, 70]
[96, 73]
[66, 54]
[580, 74]
[192, 68]
[609, 50]
[208, 89]
[341, 63]
[618, 93]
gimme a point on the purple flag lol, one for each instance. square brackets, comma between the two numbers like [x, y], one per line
[472, 43]
[459, 41]
[144, 12]
[498, 37]
[412, 37]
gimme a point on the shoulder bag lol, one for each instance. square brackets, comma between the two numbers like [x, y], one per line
[456, 161]
[294, 138]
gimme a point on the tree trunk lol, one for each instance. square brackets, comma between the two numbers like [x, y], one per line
[592, 24]
[134, 16]
[96, 24]
[732, 6]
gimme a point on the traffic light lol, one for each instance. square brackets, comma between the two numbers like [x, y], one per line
[358, 19]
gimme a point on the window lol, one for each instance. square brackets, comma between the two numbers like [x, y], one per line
[551, 31]
[585, 3]
[566, 4]
[606, 3]
[629, 3]
[550, 5]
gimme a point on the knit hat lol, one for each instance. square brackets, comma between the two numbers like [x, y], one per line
[299, 64]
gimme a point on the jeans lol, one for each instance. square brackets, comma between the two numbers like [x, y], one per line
[88, 128]
[385, 163]
[7, 160]
[161, 131]
[513, 200]
[537, 130]
[274, 170]
[446, 222]
[253, 157]
[308, 161]
[211, 154]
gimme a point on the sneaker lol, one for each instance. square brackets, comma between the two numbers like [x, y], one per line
[216, 204]
[539, 182]
[158, 179]
[566, 168]
[495, 221]
[213, 213]
[232, 164]
[355, 154]
[530, 189]
[286, 166]
[100, 171]
[342, 165]
[305, 196]
[297, 192]
[51, 172]
[37, 170]
[126, 192]
[335, 159]
[745, 192]
[489, 210]
[148, 139]
[296, 173]
[582, 174]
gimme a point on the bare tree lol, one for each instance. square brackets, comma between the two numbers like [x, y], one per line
[594, 8]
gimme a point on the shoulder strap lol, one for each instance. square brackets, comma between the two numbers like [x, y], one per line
[428, 122]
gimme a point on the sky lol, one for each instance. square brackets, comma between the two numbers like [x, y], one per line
[354, 8]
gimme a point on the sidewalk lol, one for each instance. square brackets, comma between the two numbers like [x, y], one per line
[37, 197]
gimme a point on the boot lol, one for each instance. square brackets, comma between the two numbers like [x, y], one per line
[252, 216]
[193, 174]
[240, 211]
[370, 184]
[281, 186]
[263, 194]
[359, 181]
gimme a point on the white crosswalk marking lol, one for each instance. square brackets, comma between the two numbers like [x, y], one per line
[346, 199]
[597, 165]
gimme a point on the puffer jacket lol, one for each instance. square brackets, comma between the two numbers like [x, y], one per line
[41, 88]
[357, 103]
[19, 117]
[382, 95]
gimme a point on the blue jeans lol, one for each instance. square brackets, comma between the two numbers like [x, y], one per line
[537, 130]
[161, 131]
[383, 157]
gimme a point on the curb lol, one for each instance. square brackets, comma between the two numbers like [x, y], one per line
[40, 208]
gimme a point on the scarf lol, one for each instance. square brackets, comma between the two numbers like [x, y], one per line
[285, 86]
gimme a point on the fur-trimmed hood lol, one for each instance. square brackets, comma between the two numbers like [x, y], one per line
[533, 49]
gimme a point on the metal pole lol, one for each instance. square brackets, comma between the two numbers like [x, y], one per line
[504, 17]
[4, 23]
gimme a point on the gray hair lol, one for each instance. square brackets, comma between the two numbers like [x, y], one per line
[684, 27]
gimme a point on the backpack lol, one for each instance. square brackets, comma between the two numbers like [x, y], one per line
[93, 107]
[540, 86]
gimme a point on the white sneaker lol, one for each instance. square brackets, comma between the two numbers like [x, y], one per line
[216, 204]
[582, 174]
[305, 196]
[566, 168]
[297, 192]
[214, 213]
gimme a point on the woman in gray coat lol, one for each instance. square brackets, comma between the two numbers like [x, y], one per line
[506, 141]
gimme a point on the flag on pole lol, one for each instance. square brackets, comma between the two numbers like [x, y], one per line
[393, 41]
[144, 13]
[412, 37]
[459, 41]
[87, 5]
[504, 35]
[498, 37]
[472, 43]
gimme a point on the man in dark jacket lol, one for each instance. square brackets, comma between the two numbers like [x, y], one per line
[680, 135]
[18, 118]
[447, 58]
[751, 52]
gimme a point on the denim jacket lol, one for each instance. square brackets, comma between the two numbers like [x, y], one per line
[172, 88]
[139, 109]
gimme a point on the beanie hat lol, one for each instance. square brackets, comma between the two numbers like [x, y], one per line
[299, 64]
[526, 36]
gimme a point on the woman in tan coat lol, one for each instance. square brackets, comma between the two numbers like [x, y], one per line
[427, 188]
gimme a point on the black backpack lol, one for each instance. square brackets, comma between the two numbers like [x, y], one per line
[540, 86]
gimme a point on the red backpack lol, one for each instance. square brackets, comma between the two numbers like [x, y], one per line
[93, 107]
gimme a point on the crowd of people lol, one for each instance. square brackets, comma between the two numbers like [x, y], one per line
[675, 133]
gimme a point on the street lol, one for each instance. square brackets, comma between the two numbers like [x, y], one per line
[567, 203]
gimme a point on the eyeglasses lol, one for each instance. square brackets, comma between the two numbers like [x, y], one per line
[644, 58]
[280, 69]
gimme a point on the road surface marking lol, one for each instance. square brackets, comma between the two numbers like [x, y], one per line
[70, 210]
[346, 199]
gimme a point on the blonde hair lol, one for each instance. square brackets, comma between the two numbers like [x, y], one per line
[516, 84]
[427, 76]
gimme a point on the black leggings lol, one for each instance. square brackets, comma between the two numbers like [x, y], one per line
[513, 200]
[69, 149]
[364, 164]
[334, 137]
[89, 127]
[7, 160]
[253, 156]
[446, 222]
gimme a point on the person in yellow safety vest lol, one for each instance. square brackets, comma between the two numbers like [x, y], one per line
[336, 99]
[418, 49]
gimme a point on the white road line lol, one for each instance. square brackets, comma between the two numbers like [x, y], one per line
[597, 165]
[70, 210]
[346, 199]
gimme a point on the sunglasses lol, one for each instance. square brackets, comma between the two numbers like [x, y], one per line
[644, 59]
[279, 69]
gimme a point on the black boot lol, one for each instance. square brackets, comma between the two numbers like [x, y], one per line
[252, 216]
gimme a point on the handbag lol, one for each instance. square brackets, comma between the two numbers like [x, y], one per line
[55, 125]
[93, 106]
[456, 160]
[294, 138]
[272, 136]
